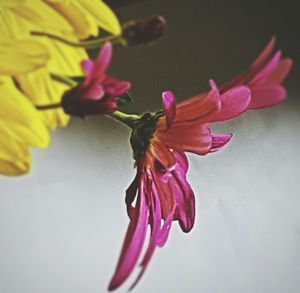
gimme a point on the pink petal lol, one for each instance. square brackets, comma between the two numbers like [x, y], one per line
[234, 102]
[163, 154]
[155, 219]
[281, 71]
[169, 103]
[218, 141]
[198, 107]
[266, 95]
[243, 78]
[133, 244]
[182, 160]
[166, 196]
[101, 63]
[87, 66]
[187, 137]
[185, 200]
[119, 88]
[94, 93]
[267, 70]
[265, 54]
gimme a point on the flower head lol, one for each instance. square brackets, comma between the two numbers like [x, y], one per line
[160, 189]
[98, 93]
[264, 78]
[143, 31]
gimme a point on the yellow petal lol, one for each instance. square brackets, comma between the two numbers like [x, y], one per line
[86, 16]
[44, 92]
[12, 149]
[11, 3]
[22, 56]
[42, 15]
[83, 25]
[15, 168]
[38, 85]
[19, 115]
[102, 14]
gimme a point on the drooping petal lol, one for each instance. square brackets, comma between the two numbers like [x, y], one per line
[185, 200]
[163, 154]
[182, 160]
[169, 104]
[133, 243]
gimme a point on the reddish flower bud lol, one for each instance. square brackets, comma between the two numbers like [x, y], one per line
[98, 93]
[144, 31]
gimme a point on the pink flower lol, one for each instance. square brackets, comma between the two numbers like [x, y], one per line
[264, 78]
[160, 189]
[98, 93]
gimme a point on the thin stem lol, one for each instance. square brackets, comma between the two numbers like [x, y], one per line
[63, 79]
[48, 107]
[127, 119]
[82, 44]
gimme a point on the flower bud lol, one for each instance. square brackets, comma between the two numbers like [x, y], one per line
[144, 31]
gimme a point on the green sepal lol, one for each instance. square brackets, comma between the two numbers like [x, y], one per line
[125, 99]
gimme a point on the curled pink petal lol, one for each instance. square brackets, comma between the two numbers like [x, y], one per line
[234, 103]
[218, 141]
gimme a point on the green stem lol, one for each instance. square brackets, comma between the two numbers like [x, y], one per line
[127, 119]
[63, 79]
[81, 44]
[48, 107]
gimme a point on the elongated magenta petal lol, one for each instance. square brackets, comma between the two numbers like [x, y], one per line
[264, 55]
[102, 61]
[133, 244]
[169, 104]
[267, 70]
[267, 95]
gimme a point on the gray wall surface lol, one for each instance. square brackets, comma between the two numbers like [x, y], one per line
[62, 226]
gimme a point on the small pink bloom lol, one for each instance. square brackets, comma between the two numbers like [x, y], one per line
[264, 78]
[98, 93]
[160, 193]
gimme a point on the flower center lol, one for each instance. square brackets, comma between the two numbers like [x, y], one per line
[143, 132]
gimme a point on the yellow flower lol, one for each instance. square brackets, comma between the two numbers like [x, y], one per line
[20, 124]
[70, 19]
[87, 16]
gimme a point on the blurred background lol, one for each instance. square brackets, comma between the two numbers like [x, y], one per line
[62, 226]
